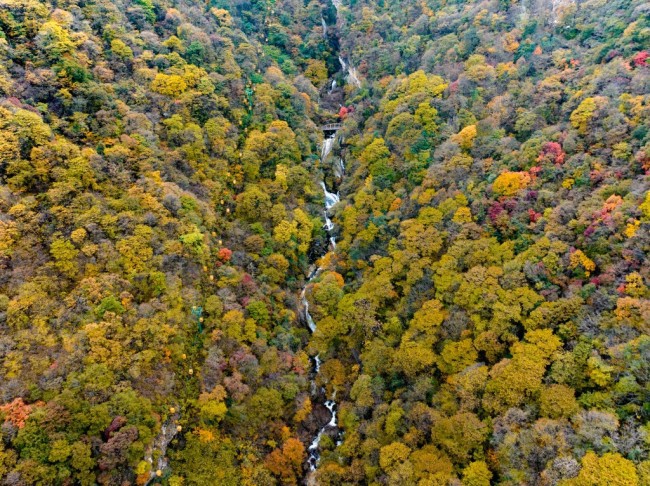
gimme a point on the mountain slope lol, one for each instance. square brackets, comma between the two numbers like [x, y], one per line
[483, 318]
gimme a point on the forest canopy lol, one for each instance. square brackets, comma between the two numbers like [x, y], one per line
[481, 310]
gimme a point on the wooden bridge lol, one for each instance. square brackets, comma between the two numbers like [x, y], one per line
[331, 127]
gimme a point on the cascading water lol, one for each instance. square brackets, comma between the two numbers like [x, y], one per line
[330, 200]
[310, 321]
[328, 143]
[339, 169]
[332, 86]
[329, 226]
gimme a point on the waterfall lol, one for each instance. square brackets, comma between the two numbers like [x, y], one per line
[324, 26]
[330, 198]
[313, 451]
[337, 171]
[329, 226]
[326, 148]
[331, 406]
[332, 87]
[310, 321]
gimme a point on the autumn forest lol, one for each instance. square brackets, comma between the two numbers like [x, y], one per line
[325, 242]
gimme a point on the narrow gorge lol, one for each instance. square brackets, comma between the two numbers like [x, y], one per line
[330, 200]
[332, 162]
